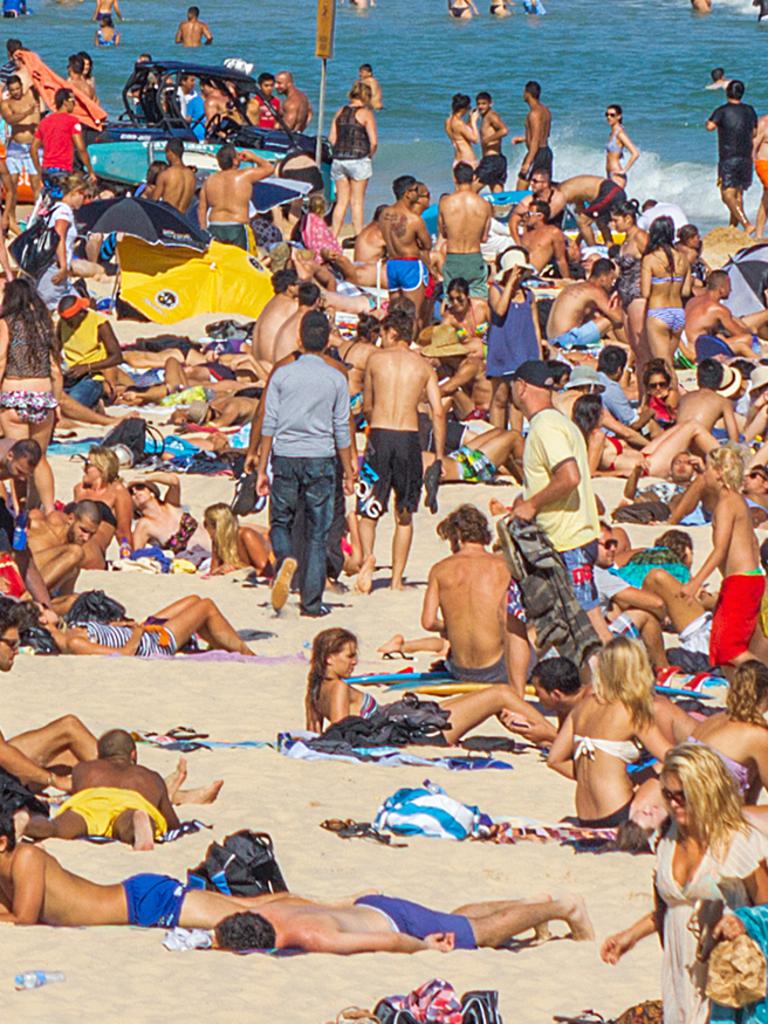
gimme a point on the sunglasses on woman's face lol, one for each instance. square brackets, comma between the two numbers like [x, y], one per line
[610, 114]
[674, 796]
[657, 385]
[610, 545]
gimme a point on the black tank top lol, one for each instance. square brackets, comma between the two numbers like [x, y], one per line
[352, 142]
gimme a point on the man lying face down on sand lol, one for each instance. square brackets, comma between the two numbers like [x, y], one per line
[116, 798]
[36, 889]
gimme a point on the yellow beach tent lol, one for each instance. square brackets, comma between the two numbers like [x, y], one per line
[167, 284]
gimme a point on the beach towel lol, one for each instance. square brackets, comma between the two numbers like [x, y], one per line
[428, 811]
[185, 828]
[673, 678]
[297, 747]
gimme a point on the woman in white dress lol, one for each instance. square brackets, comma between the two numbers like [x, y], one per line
[709, 852]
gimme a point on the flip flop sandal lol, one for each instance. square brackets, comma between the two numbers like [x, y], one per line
[354, 1013]
[585, 1017]
[394, 655]
[351, 829]
[432, 485]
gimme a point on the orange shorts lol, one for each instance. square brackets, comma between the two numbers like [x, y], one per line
[761, 169]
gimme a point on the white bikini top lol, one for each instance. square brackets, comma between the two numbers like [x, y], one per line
[624, 750]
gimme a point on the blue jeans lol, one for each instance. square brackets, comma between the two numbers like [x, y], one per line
[86, 391]
[314, 481]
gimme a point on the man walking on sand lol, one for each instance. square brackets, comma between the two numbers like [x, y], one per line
[408, 244]
[538, 124]
[736, 124]
[395, 380]
[226, 195]
[464, 221]
[192, 32]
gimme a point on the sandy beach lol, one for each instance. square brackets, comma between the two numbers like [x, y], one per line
[129, 971]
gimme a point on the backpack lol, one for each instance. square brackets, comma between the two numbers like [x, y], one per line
[243, 865]
[436, 1002]
[35, 249]
[136, 435]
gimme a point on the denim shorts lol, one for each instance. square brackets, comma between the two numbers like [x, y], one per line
[580, 563]
[352, 170]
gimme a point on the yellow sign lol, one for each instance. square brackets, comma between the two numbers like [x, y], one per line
[326, 18]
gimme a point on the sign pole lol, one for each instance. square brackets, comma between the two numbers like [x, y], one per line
[326, 19]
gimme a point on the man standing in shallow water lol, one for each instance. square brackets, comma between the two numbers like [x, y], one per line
[193, 31]
[538, 124]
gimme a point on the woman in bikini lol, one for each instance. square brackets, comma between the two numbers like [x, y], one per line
[462, 10]
[236, 547]
[101, 483]
[606, 732]
[468, 315]
[631, 252]
[710, 851]
[161, 520]
[618, 143]
[659, 410]
[665, 281]
[30, 376]
[330, 698]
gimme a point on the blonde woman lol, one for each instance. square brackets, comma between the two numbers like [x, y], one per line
[710, 852]
[101, 483]
[736, 554]
[234, 546]
[605, 732]
[354, 140]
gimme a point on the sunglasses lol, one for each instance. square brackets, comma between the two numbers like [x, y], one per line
[657, 385]
[12, 645]
[674, 796]
[610, 545]
[609, 114]
[757, 473]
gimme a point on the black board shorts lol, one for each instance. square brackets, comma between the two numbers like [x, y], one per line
[395, 458]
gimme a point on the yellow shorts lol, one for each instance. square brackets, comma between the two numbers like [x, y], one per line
[101, 806]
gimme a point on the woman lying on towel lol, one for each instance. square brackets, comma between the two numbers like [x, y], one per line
[329, 697]
[160, 635]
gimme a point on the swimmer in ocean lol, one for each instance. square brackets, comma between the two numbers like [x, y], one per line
[501, 8]
[105, 9]
[702, 6]
[462, 10]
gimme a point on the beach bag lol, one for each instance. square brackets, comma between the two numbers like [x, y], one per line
[481, 1007]
[427, 811]
[643, 512]
[136, 435]
[14, 795]
[243, 865]
[35, 249]
[95, 606]
[736, 975]
[649, 1012]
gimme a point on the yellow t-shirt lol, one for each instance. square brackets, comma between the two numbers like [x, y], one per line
[82, 346]
[572, 521]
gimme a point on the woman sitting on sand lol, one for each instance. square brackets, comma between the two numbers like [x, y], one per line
[606, 732]
[236, 547]
[710, 852]
[161, 520]
[482, 458]
[101, 483]
[330, 698]
[160, 635]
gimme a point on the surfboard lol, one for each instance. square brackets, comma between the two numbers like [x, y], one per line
[406, 680]
[47, 82]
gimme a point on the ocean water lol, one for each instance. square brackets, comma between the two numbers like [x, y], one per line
[651, 56]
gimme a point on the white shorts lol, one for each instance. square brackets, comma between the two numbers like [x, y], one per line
[18, 159]
[695, 637]
[352, 170]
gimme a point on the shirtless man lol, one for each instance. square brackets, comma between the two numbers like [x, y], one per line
[544, 242]
[463, 135]
[176, 184]
[21, 111]
[370, 247]
[707, 314]
[542, 187]
[226, 195]
[492, 169]
[77, 79]
[296, 109]
[408, 243]
[192, 32]
[583, 312]
[308, 296]
[711, 403]
[465, 602]
[105, 9]
[464, 221]
[366, 77]
[760, 158]
[36, 889]
[277, 311]
[63, 544]
[395, 379]
[140, 814]
[735, 552]
[538, 124]
[592, 198]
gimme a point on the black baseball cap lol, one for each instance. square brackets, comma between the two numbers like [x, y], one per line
[536, 372]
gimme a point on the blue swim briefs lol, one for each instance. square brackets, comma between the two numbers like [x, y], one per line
[419, 922]
[154, 901]
[407, 275]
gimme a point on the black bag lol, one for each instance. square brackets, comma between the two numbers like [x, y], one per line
[14, 795]
[35, 249]
[39, 639]
[95, 606]
[243, 865]
[133, 434]
[643, 512]
[481, 1007]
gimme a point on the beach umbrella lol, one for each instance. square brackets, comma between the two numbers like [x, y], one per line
[141, 218]
[748, 271]
[166, 284]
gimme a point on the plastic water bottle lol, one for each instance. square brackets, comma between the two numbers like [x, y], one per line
[125, 548]
[19, 542]
[36, 979]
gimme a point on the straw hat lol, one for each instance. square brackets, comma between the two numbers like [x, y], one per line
[732, 380]
[443, 341]
[512, 258]
[759, 378]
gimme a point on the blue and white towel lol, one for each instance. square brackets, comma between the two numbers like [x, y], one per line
[429, 811]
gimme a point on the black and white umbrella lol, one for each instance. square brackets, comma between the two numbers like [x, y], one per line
[748, 271]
